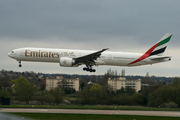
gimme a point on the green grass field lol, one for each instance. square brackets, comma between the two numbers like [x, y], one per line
[57, 116]
[91, 107]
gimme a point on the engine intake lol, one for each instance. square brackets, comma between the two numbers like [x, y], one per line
[67, 62]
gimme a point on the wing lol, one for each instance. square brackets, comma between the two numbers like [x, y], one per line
[90, 57]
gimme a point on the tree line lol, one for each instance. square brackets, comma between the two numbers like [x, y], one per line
[159, 95]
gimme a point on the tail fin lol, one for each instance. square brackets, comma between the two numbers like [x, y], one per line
[157, 49]
[160, 46]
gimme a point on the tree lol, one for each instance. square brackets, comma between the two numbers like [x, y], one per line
[110, 89]
[6, 93]
[137, 98]
[96, 94]
[82, 85]
[165, 94]
[69, 90]
[93, 79]
[176, 81]
[43, 96]
[96, 86]
[20, 83]
[123, 73]
[91, 96]
[4, 82]
[43, 85]
[57, 95]
[24, 89]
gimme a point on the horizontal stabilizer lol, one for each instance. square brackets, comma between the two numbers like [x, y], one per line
[160, 58]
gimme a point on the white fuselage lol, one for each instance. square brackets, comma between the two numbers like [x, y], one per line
[54, 55]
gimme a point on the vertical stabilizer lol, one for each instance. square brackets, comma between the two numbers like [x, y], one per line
[157, 49]
[160, 46]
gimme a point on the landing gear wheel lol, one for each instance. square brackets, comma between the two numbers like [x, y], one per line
[20, 64]
[89, 69]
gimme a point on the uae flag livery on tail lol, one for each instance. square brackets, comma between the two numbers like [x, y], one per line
[157, 49]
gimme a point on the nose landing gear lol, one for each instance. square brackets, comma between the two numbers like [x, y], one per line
[20, 64]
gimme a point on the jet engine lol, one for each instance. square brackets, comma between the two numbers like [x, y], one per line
[67, 62]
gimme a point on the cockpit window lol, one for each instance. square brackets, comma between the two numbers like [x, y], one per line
[12, 51]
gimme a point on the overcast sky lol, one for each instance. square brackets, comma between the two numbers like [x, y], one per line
[121, 25]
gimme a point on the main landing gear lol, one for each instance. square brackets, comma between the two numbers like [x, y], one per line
[20, 64]
[89, 69]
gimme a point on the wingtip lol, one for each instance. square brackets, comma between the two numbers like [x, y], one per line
[106, 49]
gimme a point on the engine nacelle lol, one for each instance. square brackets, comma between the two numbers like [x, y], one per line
[67, 62]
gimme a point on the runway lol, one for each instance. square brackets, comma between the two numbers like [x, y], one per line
[89, 111]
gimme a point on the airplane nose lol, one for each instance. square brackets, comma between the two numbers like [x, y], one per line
[9, 54]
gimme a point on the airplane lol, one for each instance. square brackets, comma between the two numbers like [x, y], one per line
[90, 58]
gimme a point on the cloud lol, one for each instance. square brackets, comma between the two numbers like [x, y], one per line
[79, 19]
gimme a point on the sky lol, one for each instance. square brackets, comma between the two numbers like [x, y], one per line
[121, 25]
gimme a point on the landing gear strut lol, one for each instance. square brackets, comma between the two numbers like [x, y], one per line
[20, 64]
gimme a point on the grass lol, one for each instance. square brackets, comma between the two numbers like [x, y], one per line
[90, 107]
[57, 116]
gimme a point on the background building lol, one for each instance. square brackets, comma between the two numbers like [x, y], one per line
[121, 82]
[62, 82]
